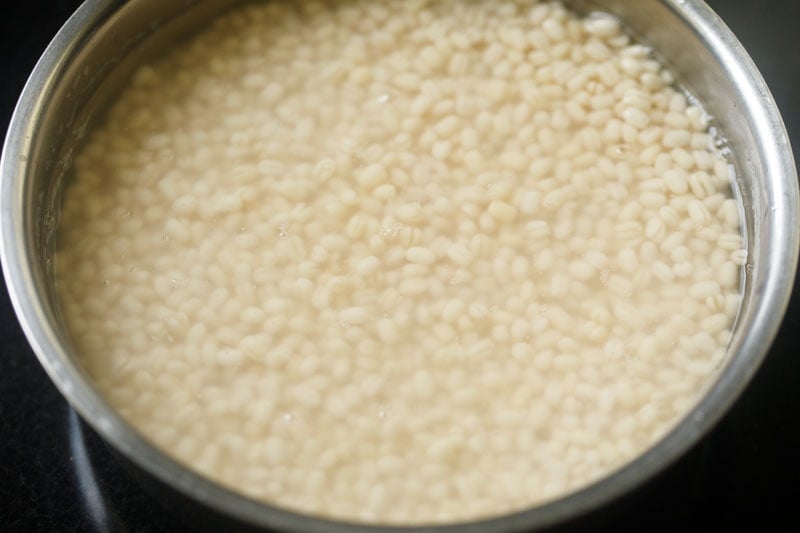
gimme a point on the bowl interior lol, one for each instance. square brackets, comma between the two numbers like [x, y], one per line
[105, 40]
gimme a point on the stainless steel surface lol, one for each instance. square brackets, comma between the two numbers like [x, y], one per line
[100, 44]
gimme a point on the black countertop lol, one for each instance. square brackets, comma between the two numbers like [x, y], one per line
[56, 475]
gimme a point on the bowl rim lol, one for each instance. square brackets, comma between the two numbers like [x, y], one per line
[17, 258]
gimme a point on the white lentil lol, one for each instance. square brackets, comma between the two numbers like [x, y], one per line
[628, 261]
[581, 270]
[372, 176]
[502, 211]
[739, 257]
[697, 212]
[636, 117]
[663, 272]
[704, 289]
[410, 212]
[655, 230]
[420, 255]
[676, 181]
[368, 266]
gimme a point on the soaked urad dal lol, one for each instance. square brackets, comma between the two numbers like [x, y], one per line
[402, 262]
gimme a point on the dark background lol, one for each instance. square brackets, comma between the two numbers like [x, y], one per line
[55, 475]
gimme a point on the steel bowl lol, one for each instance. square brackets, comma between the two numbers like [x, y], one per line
[99, 46]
